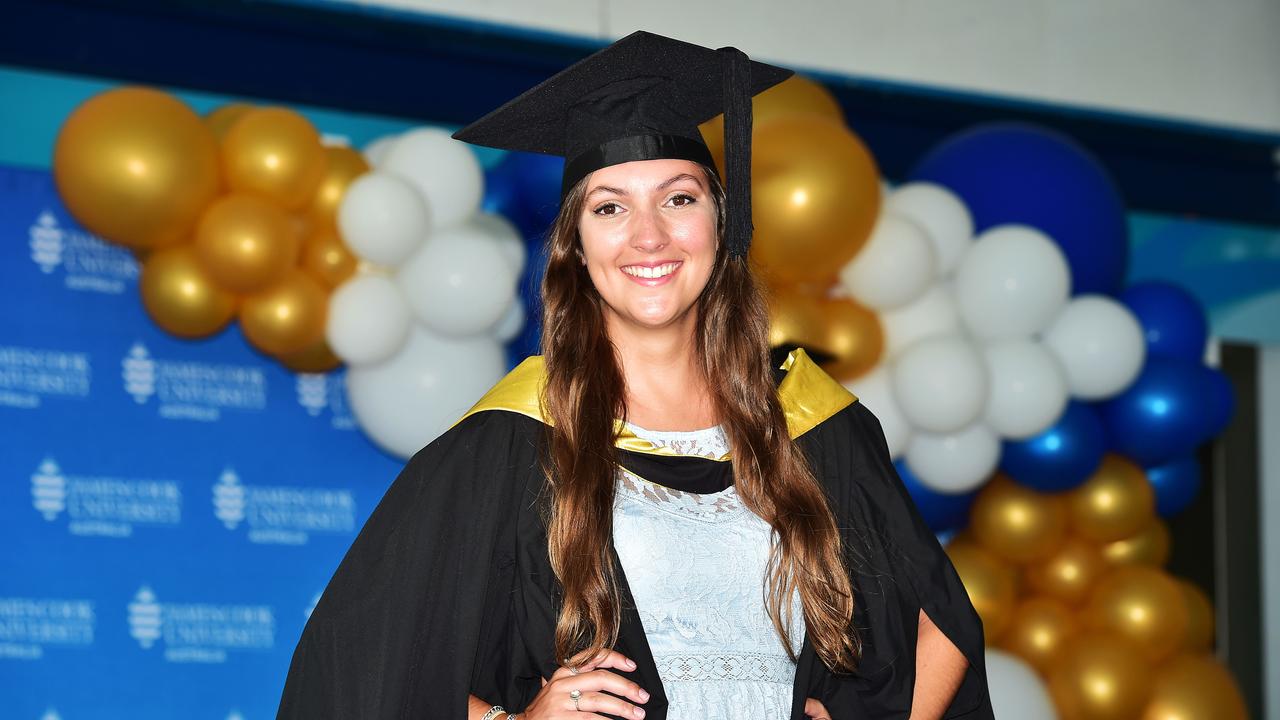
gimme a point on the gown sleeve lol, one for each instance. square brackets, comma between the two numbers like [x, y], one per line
[418, 613]
[898, 568]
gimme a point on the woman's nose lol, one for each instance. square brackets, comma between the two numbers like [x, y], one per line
[648, 233]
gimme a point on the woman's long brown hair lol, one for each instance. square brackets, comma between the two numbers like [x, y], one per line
[585, 394]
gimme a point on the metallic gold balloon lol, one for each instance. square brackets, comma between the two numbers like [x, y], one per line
[1039, 628]
[1016, 523]
[1142, 604]
[797, 95]
[815, 197]
[1195, 687]
[326, 258]
[853, 336]
[992, 585]
[1069, 573]
[796, 318]
[221, 119]
[1150, 546]
[344, 165]
[246, 243]
[1114, 503]
[1099, 676]
[287, 317]
[181, 297]
[276, 153]
[136, 166]
[318, 358]
[1200, 620]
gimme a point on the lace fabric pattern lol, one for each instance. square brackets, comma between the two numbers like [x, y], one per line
[696, 566]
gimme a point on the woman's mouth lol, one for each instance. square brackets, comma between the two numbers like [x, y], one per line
[651, 275]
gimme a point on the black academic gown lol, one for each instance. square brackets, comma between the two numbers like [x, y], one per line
[448, 590]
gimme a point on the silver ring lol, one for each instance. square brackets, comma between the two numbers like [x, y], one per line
[573, 670]
[574, 695]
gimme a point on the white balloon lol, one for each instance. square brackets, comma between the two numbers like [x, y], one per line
[383, 218]
[444, 170]
[875, 390]
[415, 395]
[504, 233]
[1100, 344]
[933, 313]
[942, 214]
[376, 152]
[957, 462]
[940, 383]
[459, 282]
[369, 320]
[512, 323]
[1011, 282]
[1017, 692]
[1027, 391]
[895, 267]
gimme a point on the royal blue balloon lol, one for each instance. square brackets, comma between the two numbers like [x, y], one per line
[539, 178]
[943, 512]
[1172, 319]
[1162, 415]
[1219, 401]
[529, 341]
[1176, 484]
[1063, 456]
[1022, 173]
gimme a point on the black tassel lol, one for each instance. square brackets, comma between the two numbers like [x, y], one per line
[736, 67]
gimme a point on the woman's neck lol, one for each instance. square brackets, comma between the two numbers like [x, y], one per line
[665, 388]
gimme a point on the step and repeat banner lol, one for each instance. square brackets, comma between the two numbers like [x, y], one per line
[170, 510]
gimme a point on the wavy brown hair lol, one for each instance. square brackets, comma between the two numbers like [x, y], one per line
[585, 393]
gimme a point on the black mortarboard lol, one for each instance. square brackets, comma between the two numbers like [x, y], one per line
[641, 98]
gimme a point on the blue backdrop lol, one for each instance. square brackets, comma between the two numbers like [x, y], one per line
[170, 510]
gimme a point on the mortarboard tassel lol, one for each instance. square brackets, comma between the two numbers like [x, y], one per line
[736, 67]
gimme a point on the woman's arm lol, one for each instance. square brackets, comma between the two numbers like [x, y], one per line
[940, 668]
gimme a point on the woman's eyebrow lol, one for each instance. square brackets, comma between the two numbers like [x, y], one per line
[663, 186]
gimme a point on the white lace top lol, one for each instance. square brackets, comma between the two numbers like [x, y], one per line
[695, 564]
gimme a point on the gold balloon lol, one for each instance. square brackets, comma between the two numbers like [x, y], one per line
[1039, 628]
[1114, 503]
[1200, 622]
[992, 585]
[221, 119]
[1195, 687]
[276, 153]
[326, 258]
[1142, 604]
[344, 165]
[1099, 676]
[797, 95]
[1017, 523]
[796, 318]
[287, 317]
[136, 166]
[815, 197]
[181, 297]
[853, 336]
[1069, 573]
[246, 243]
[1150, 546]
[318, 358]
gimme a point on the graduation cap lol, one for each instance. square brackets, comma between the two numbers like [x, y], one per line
[641, 98]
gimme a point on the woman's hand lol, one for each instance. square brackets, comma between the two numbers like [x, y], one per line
[815, 710]
[592, 681]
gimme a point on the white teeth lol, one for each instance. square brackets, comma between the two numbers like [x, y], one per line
[650, 272]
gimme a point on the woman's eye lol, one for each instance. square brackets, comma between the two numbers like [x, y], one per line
[607, 209]
[683, 199]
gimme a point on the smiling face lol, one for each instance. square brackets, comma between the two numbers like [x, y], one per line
[648, 231]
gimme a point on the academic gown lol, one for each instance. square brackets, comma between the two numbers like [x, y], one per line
[448, 590]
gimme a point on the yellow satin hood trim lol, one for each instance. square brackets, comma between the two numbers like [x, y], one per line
[808, 394]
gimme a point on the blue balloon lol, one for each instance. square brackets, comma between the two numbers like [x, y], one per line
[539, 178]
[1022, 173]
[943, 512]
[1172, 319]
[1219, 400]
[1176, 484]
[1162, 415]
[1063, 456]
[529, 341]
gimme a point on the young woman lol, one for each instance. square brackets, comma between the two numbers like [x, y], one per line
[647, 520]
